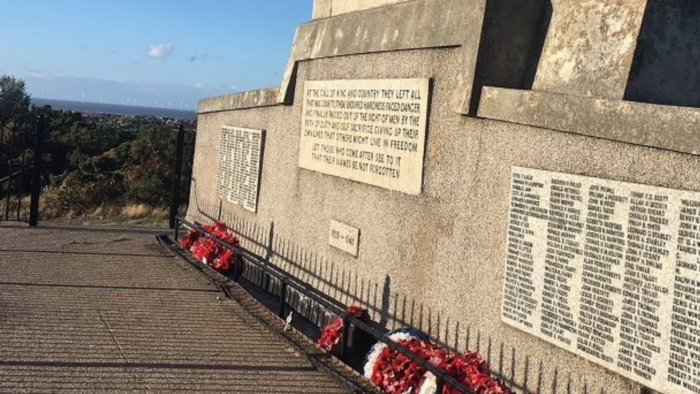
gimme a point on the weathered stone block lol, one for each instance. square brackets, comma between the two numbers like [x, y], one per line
[590, 47]
[322, 9]
[338, 7]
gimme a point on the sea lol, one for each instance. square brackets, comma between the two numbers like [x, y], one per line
[114, 109]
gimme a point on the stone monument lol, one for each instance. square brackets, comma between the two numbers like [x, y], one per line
[515, 177]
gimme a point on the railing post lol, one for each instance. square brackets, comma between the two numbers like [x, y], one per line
[439, 386]
[41, 126]
[344, 338]
[177, 176]
[2, 139]
[9, 172]
[237, 267]
[21, 183]
[283, 298]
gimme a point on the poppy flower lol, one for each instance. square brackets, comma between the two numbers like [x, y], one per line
[393, 372]
[209, 251]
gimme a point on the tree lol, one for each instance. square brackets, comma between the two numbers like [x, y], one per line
[150, 165]
[14, 100]
[14, 109]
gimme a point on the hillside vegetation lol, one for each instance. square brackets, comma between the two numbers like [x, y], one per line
[96, 167]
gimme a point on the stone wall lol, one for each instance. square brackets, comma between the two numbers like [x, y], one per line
[437, 260]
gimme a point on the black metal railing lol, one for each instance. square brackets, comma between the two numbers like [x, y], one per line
[182, 170]
[16, 168]
[16, 173]
[18, 179]
[287, 281]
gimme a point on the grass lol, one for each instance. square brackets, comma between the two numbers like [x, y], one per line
[12, 212]
[130, 215]
[135, 215]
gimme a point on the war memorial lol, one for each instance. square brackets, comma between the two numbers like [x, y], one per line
[519, 178]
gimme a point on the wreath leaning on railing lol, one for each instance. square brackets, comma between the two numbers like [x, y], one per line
[395, 373]
[209, 251]
[333, 332]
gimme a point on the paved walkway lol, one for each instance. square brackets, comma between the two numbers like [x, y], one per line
[93, 311]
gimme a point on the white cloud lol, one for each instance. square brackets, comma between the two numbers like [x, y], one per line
[160, 51]
[37, 73]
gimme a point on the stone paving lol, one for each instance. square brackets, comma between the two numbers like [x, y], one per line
[106, 311]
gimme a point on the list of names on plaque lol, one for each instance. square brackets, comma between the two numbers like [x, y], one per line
[370, 131]
[610, 271]
[239, 166]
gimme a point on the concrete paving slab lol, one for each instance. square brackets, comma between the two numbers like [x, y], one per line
[88, 311]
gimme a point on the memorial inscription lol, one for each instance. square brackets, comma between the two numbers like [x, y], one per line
[239, 166]
[345, 238]
[609, 271]
[370, 131]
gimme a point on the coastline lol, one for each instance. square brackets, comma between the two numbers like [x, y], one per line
[114, 109]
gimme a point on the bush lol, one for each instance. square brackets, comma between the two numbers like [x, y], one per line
[80, 192]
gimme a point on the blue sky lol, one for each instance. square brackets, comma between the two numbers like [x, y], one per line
[147, 52]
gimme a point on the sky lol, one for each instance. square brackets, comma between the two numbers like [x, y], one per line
[155, 53]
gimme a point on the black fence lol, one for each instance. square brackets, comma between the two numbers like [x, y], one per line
[20, 169]
[288, 283]
[182, 170]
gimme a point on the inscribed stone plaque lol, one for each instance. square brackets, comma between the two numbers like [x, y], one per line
[370, 131]
[345, 238]
[609, 271]
[239, 166]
